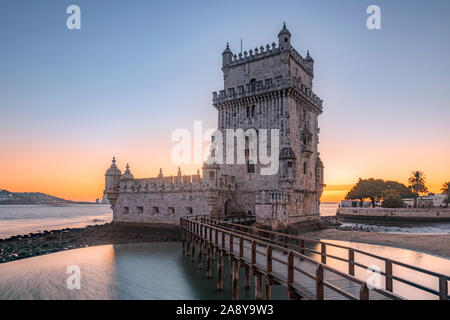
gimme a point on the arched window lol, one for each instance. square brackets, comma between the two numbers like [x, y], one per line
[253, 85]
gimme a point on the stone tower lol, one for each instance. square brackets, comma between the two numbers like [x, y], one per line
[266, 90]
[270, 87]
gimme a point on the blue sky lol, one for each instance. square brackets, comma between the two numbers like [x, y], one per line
[139, 69]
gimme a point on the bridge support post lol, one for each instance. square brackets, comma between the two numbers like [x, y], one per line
[188, 246]
[319, 282]
[258, 286]
[200, 256]
[208, 262]
[220, 271]
[268, 288]
[235, 280]
[364, 292]
[443, 289]
[193, 249]
[388, 276]
[292, 294]
[247, 276]
[351, 262]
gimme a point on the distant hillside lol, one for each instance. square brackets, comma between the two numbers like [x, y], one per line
[7, 197]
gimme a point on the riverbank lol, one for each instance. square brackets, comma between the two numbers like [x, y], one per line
[431, 244]
[35, 244]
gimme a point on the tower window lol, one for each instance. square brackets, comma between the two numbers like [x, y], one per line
[155, 210]
[253, 111]
[250, 167]
[305, 168]
[285, 39]
[289, 164]
[211, 175]
[253, 85]
[248, 112]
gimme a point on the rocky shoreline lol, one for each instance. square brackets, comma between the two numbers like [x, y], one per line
[35, 244]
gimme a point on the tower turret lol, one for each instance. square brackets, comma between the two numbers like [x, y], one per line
[227, 55]
[112, 180]
[127, 174]
[309, 62]
[284, 38]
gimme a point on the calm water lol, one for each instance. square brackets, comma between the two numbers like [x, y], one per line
[20, 220]
[130, 271]
[156, 271]
[329, 209]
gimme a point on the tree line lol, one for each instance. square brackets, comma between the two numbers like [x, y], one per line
[392, 193]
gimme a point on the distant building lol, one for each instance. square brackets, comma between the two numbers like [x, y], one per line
[430, 201]
[97, 201]
[105, 200]
[354, 204]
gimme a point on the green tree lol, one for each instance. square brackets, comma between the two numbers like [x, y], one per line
[400, 188]
[446, 191]
[392, 200]
[417, 184]
[358, 191]
[372, 189]
[376, 189]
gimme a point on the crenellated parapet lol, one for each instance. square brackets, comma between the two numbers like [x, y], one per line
[126, 183]
[267, 51]
[267, 86]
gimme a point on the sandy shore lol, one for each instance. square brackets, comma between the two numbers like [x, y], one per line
[438, 245]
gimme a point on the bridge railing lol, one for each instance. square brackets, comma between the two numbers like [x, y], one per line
[214, 232]
[299, 243]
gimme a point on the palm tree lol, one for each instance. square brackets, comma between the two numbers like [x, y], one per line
[417, 184]
[446, 190]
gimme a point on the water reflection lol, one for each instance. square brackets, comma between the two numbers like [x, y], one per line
[129, 271]
[162, 271]
[417, 259]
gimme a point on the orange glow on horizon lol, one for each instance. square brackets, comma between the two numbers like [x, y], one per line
[77, 172]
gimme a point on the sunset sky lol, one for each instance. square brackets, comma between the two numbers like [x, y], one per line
[70, 100]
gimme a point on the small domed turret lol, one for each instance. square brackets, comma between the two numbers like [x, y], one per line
[112, 180]
[113, 170]
[284, 38]
[309, 62]
[227, 55]
[308, 57]
[127, 174]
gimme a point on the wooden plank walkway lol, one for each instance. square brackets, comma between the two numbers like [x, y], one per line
[280, 263]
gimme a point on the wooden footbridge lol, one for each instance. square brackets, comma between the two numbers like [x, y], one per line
[288, 260]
